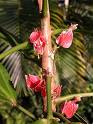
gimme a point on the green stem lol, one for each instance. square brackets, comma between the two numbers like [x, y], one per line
[49, 100]
[45, 5]
[61, 99]
[60, 116]
[25, 111]
[14, 49]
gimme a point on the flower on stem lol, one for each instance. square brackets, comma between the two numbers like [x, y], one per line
[70, 107]
[55, 93]
[55, 90]
[66, 37]
[34, 82]
[38, 41]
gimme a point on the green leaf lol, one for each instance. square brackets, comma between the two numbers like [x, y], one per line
[7, 93]
[15, 70]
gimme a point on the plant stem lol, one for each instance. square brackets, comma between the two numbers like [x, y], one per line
[47, 62]
[25, 111]
[44, 11]
[61, 99]
[60, 116]
[49, 101]
[14, 49]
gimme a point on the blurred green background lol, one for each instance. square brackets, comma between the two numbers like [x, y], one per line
[18, 18]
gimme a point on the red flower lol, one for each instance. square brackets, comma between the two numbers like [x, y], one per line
[66, 37]
[69, 108]
[38, 41]
[34, 82]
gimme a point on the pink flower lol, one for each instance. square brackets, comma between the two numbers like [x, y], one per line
[69, 108]
[38, 41]
[66, 37]
[34, 82]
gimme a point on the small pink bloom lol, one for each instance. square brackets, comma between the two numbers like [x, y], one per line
[34, 82]
[66, 37]
[69, 108]
[38, 41]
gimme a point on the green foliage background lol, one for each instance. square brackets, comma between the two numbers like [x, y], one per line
[18, 18]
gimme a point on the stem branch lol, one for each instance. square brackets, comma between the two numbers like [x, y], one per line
[14, 49]
[60, 116]
[25, 111]
[45, 2]
[61, 99]
[49, 101]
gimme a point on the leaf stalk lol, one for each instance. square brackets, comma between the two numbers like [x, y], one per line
[14, 49]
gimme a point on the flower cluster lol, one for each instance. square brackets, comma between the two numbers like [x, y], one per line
[64, 39]
[38, 41]
[38, 85]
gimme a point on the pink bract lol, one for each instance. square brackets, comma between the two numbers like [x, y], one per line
[38, 41]
[34, 36]
[39, 45]
[66, 37]
[34, 82]
[69, 108]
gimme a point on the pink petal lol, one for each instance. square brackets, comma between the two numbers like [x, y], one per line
[38, 49]
[39, 45]
[33, 82]
[38, 41]
[65, 38]
[69, 109]
[34, 36]
[33, 78]
[38, 86]
[43, 41]
[43, 92]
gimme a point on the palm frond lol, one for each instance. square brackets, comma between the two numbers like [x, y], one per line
[19, 17]
[71, 63]
[12, 62]
[9, 16]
